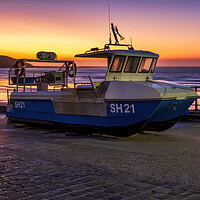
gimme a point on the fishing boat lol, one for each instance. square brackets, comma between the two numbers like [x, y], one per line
[126, 102]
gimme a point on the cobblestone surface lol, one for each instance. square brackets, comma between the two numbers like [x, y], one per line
[29, 173]
[24, 177]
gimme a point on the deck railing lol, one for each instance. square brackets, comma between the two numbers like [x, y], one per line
[196, 104]
[34, 78]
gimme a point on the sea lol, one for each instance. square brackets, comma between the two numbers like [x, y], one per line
[189, 76]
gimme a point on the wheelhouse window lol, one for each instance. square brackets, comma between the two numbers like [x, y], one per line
[132, 64]
[154, 64]
[145, 65]
[117, 64]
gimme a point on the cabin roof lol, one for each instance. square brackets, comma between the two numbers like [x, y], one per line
[107, 53]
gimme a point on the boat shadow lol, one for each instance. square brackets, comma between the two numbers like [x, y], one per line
[146, 136]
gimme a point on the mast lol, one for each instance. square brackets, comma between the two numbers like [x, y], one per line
[114, 33]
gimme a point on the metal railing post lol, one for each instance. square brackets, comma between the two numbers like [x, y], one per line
[74, 73]
[8, 98]
[196, 101]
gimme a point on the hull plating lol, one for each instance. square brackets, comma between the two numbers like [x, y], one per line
[125, 117]
[168, 114]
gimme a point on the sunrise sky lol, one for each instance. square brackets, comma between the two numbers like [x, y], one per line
[170, 28]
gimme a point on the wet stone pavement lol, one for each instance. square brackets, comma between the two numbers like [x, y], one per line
[32, 178]
[33, 166]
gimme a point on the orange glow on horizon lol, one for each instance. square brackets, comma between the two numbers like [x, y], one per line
[192, 62]
[31, 26]
[99, 62]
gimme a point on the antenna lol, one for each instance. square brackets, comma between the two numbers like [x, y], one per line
[110, 41]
